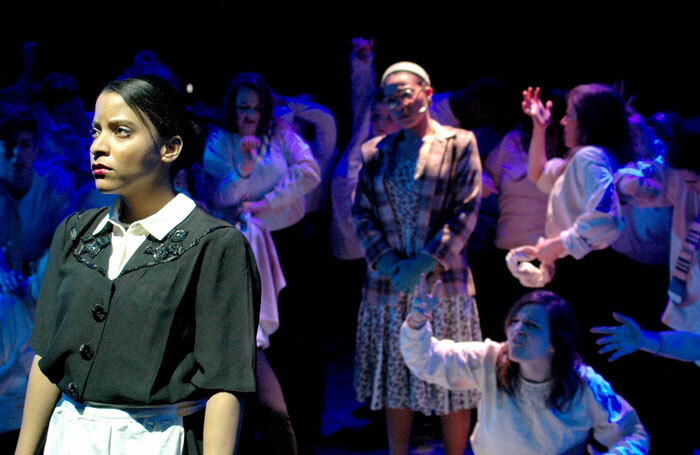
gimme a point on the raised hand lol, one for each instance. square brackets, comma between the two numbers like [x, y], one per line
[423, 302]
[541, 114]
[29, 51]
[362, 48]
[621, 340]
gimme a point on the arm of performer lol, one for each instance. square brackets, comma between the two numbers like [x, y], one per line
[616, 424]
[628, 337]
[303, 173]
[541, 115]
[221, 423]
[600, 223]
[42, 396]
[445, 362]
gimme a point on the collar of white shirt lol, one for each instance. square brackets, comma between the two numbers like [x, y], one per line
[159, 224]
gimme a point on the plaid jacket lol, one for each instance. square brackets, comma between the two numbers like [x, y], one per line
[449, 178]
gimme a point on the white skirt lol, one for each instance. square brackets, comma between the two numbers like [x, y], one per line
[93, 428]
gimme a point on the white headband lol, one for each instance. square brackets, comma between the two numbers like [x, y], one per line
[408, 67]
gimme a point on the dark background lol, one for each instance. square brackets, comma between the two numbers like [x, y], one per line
[304, 48]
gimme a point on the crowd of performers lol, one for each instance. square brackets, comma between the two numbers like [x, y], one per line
[174, 292]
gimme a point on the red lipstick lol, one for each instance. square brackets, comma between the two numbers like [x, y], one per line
[100, 169]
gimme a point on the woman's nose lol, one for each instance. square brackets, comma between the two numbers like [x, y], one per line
[99, 145]
[517, 327]
[562, 122]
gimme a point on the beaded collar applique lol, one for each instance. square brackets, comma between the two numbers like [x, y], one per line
[169, 249]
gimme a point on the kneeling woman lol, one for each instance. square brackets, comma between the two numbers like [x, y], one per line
[145, 326]
[537, 396]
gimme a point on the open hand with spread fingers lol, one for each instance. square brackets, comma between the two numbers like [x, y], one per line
[540, 113]
[423, 302]
[621, 340]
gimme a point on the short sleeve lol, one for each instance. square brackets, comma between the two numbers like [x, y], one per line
[226, 311]
[47, 305]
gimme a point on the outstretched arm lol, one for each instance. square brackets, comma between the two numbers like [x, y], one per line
[445, 363]
[541, 115]
[628, 337]
[423, 303]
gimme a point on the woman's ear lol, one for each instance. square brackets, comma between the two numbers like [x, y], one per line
[170, 151]
[429, 94]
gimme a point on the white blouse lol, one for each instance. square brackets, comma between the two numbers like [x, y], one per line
[284, 173]
[524, 424]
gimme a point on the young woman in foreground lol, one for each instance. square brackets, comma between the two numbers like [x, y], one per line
[145, 326]
[537, 396]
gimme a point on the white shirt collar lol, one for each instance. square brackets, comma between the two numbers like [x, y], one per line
[158, 224]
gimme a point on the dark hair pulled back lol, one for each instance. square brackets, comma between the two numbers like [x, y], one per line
[154, 100]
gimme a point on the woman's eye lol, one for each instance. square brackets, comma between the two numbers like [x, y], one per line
[122, 131]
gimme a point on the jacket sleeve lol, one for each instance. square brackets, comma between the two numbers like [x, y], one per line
[344, 187]
[303, 173]
[47, 304]
[446, 363]
[616, 424]
[226, 311]
[601, 222]
[367, 226]
[462, 206]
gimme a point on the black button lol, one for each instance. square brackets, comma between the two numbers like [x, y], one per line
[73, 391]
[99, 313]
[86, 352]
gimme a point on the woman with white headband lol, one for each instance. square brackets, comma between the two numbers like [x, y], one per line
[415, 207]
